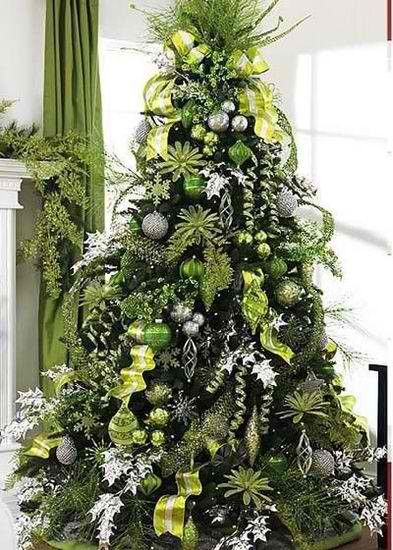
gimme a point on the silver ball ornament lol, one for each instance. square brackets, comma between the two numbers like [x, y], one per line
[155, 226]
[181, 313]
[287, 203]
[323, 463]
[199, 319]
[228, 106]
[239, 123]
[142, 131]
[191, 329]
[218, 122]
[66, 452]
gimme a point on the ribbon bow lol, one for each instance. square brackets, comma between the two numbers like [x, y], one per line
[42, 445]
[170, 510]
[248, 63]
[184, 43]
[254, 303]
[257, 101]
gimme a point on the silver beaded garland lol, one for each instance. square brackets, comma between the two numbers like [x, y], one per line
[66, 452]
[323, 463]
[181, 313]
[287, 203]
[155, 226]
[142, 131]
[191, 329]
[228, 106]
[218, 122]
[239, 123]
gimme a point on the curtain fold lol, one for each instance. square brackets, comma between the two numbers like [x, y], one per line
[72, 102]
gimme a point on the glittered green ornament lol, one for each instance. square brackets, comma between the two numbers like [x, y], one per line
[288, 293]
[122, 426]
[278, 464]
[193, 187]
[157, 438]
[263, 251]
[244, 238]
[158, 418]
[139, 437]
[157, 335]
[198, 132]
[187, 114]
[192, 269]
[158, 394]
[150, 484]
[276, 267]
[239, 153]
[252, 438]
[134, 226]
[260, 237]
[190, 535]
[211, 138]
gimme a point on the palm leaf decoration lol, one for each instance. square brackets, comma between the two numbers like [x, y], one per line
[183, 160]
[303, 403]
[249, 484]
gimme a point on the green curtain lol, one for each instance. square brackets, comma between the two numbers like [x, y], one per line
[72, 102]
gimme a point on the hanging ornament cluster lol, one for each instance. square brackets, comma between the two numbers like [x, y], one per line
[323, 463]
[142, 131]
[287, 204]
[155, 226]
[288, 293]
[66, 452]
[209, 139]
[191, 323]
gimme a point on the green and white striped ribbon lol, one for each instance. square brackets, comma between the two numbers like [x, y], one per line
[184, 42]
[169, 513]
[248, 63]
[270, 342]
[158, 95]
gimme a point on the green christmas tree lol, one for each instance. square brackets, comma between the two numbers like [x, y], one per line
[201, 408]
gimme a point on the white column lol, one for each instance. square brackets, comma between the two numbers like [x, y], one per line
[11, 175]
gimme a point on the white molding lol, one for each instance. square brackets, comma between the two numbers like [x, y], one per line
[12, 172]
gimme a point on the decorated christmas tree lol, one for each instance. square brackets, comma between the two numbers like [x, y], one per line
[201, 408]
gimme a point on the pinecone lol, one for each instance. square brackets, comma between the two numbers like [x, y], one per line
[323, 463]
[66, 452]
[286, 204]
[142, 131]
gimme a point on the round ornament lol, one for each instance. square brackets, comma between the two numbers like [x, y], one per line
[198, 132]
[288, 293]
[142, 131]
[239, 123]
[211, 138]
[122, 426]
[181, 313]
[276, 267]
[191, 329]
[158, 394]
[66, 452]
[139, 437]
[263, 251]
[260, 237]
[193, 187]
[287, 203]
[150, 484]
[192, 269]
[155, 226]
[158, 418]
[157, 438]
[323, 463]
[157, 335]
[243, 238]
[228, 106]
[199, 319]
[218, 122]
[134, 226]
[278, 463]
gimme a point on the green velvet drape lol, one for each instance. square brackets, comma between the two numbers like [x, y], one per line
[72, 102]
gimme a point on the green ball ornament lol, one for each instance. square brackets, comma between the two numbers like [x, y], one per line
[157, 438]
[260, 237]
[244, 238]
[198, 132]
[157, 335]
[150, 484]
[158, 394]
[139, 437]
[288, 293]
[134, 226]
[192, 269]
[239, 153]
[122, 426]
[193, 187]
[211, 138]
[278, 464]
[277, 267]
[263, 251]
[190, 536]
[158, 418]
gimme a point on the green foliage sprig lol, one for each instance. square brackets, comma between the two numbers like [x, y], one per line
[218, 274]
[250, 484]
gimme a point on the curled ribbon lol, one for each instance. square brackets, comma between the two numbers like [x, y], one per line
[257, 101]
[170, 510]
[271, 343]
[254, 303]
[42, 445]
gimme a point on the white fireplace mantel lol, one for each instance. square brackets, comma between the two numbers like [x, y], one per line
[12, 173]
